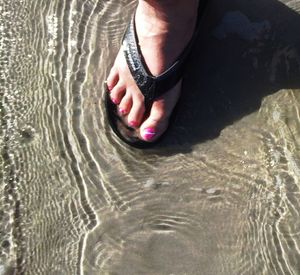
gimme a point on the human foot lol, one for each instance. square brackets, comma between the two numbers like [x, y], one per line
[164, 28]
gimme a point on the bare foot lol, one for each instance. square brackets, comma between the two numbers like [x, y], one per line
[164, 28]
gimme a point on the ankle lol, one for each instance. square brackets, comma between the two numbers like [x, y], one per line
[167, 10]
[170, 4]
[166, 16]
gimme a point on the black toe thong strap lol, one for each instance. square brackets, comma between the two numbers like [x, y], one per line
[154, 86]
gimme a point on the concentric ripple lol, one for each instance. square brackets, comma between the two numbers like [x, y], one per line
[221, 195]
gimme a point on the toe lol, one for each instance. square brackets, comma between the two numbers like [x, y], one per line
[136, 113]
[125, 104]
[157, 122]
[112, 79]
[117, 93]
[155, 125]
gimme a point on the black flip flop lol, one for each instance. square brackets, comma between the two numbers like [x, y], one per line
[151, 86]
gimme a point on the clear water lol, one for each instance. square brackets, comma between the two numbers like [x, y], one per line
[220, 195]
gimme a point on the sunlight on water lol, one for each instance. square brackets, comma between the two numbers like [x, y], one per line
[220, 195]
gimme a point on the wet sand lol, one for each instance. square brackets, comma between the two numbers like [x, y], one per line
[219, 195]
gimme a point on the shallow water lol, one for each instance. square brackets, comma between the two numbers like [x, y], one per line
[220, 195]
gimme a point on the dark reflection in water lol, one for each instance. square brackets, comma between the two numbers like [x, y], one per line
[219, 195]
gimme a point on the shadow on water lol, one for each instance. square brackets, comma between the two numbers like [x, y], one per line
[72, 204]
[228, 77]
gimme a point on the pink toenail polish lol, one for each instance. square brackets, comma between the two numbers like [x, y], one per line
[122, 111]
[114, 101]
[109, 87]
[148, 133]
[133, 124]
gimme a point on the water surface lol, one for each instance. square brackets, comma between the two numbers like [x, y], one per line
[220, 195]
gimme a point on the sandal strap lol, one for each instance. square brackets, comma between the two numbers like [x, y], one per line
[154, 86]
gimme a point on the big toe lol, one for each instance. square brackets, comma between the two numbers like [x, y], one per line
[157, 122]
[155, 125]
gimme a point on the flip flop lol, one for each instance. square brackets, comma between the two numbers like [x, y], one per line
[151, 86]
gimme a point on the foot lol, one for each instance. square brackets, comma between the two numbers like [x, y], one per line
[163, 28]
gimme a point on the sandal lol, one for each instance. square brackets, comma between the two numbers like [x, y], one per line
[150, 86]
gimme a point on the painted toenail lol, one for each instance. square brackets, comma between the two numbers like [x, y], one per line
[148, 133]
[122, 111]
[109, 87]
[133, 124]
[114, 101]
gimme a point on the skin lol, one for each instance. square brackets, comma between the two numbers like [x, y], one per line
[164, 27]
